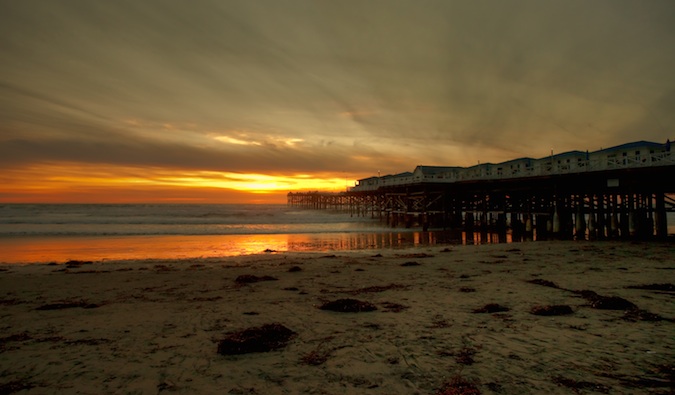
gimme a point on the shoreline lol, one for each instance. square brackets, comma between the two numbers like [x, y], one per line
[61, 249]
[154, 327]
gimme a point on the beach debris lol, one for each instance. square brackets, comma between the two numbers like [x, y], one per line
[315, 358]
[265, 338]
[580, 385]
[348, 306]
[605, 302]
[166, 385]
[15, 386]
[250, 278]
[87, 342]
[377, 256]
[467, 289]
[391, 307]
[10, 302]
[75, 264]
[550, 310]
[291, 289]
[329, 256]
[250, 313]
[68, 305]
[543, 282]
[634, 315]
[654, 287]
[415, 255]
[410, 263]
[659, 376]
[20, 337]
[465, 356]
[440, 322]
[491, 308]
[206, 298]
[459, 386]
[376, 288]
[294, 269]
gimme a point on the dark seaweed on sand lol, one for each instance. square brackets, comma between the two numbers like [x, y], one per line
[543, 282]
[581, 385]
[15, 386]
[377, 288]
[491, 308]
[551, 310]
[605, 302]
[654, 287]
[68, 305]
[465, 356]
[410, 263]
[316, 357]
[348, 306]
[634, 315]
[391, 307]
[458, 386]
[266, 338]
[249, 278]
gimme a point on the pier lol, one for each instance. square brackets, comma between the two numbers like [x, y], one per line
[594, 195]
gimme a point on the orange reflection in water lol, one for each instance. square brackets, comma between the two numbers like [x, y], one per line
[30, 250]
[62, 249]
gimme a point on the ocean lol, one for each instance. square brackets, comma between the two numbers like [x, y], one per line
[43, 233]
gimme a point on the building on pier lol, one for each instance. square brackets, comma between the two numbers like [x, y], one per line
[623, 191]
[636, 154]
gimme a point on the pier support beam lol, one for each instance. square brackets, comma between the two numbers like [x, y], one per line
[661, 218]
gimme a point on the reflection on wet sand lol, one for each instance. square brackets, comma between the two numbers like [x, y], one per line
[363, 241]
[62, 249]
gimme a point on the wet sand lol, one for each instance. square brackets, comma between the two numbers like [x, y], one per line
[444, 319]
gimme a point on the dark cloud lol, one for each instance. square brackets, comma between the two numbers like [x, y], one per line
[360, 83]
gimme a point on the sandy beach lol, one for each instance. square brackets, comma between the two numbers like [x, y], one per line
[457, 320]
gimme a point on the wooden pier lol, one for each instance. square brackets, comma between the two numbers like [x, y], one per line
[629, 202]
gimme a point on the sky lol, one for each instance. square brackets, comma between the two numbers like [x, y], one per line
[222, 101]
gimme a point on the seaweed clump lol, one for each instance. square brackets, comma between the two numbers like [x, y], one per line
[249, 279]
[576, 386]
[654, 287]
[606, 302]
[266, 338]
[68, 305]
[458, 386]
[550, 310]
[348, 306]
[491, 308]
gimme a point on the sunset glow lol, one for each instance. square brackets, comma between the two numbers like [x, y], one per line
[59, 183]
[244, 101]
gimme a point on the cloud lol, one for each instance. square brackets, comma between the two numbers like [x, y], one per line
[305, 86]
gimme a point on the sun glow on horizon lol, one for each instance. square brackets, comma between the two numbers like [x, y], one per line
[65, 182]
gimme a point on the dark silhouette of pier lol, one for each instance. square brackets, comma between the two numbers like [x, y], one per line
[629, 198]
